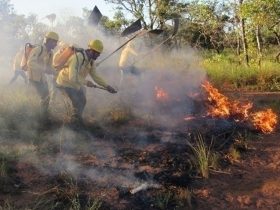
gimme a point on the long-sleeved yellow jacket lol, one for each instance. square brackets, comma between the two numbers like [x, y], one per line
[76, 69]
[17, 60]
[38, 63]
[125, 58]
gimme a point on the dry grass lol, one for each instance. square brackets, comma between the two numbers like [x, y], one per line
[163, 199]
[7, 206]
[184, 198]
[202, 156]
[234, 155]
[117, 115]
[3, 167]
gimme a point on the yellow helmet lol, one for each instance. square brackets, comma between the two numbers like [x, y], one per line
[96, 45]
[52, 35]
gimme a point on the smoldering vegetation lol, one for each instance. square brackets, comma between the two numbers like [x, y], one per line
[117, 152]
[132, 141]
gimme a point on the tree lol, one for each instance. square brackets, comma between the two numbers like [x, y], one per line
[243, 32]
[261, 15]
[6, 9]
[117, 25]
[205, 23]
[153, 13]
[51, 18]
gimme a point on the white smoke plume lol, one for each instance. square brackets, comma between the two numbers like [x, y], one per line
[176, 71]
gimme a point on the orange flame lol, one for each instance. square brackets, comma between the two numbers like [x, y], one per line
[160, 94]
[221, 106]
[265, 121]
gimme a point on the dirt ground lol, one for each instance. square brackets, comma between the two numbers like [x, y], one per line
[101, 167]
[251, 183]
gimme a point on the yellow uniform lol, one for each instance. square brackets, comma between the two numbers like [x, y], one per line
[76, 69]
[72, 77]
[39, 62]
[17, 67]
[17, 60]
[126, 56]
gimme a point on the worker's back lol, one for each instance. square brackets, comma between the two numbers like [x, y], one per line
[17, 59]
[127, 56]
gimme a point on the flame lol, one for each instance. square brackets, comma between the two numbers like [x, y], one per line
[160, 94]
[265, 121]
[222, 107]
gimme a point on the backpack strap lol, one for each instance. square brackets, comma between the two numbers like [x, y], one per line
[76, 51]
[80, 50]
[84, 58]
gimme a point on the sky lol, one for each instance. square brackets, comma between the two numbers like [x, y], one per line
[62, 8]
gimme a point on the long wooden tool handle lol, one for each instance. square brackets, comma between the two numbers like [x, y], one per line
[108, 56]
[99, 87]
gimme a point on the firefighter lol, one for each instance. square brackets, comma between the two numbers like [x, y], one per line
[39, 63]
[17, 68]
[72, 78]
[127, 58]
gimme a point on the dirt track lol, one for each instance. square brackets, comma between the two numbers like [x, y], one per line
[251, 183]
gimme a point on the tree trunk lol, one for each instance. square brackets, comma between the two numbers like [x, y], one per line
[159, 15]
[244, 39]
[238, 45]
[258, 38]
[150, 15]
[277, 57]
[278, 41]
[277, 37]
[237, 32]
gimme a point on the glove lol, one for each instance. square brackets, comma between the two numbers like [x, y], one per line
[90, 84]
[111, 90]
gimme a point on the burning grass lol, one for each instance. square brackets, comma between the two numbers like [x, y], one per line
[100, 165]
[222, 107]
[265, 121]
[161, 94]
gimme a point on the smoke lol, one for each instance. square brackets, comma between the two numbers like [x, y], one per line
[176, 71]
[79, 155]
